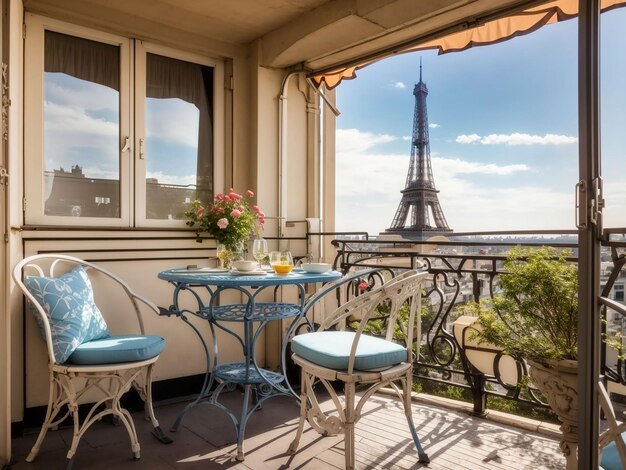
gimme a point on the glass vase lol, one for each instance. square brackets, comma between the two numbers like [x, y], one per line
[227, 254]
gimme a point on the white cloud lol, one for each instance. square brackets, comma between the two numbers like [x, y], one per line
[368, 193]
[527, 139]
[406, 137]
[433, 125]
[461, 167]
[370, 199]
[173, 121]
[377, 175]
[59, 118]
[87, 96]
[163, 178]
[469, 206]
[467, 139]
[74, 137]
[399, 85]
[98, 172]
[517, 139]
[355, 141]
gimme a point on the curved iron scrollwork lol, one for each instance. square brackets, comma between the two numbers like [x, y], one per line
[438, 338]
[456, 279]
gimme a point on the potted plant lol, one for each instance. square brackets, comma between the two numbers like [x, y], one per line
[231, 219]
[535, 318]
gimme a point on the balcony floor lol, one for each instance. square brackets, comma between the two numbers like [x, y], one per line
[453, 440]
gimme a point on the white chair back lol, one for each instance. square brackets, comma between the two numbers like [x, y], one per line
[615, 428]
[51, 265]
[405, 288]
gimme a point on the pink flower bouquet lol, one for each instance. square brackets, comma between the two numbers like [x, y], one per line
[230, 219]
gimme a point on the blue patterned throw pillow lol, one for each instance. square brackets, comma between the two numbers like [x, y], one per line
[73, 315]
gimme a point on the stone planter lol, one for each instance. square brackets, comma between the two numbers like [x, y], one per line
[485, 357]
[558, 381]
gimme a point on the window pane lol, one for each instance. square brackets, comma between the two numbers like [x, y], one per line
[179, 136]
[81, 127]
[613, 117]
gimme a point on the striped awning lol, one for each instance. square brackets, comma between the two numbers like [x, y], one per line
[491, 32]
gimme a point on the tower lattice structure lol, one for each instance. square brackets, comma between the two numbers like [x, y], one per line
[419, 214]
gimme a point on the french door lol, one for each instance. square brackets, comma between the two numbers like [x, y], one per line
[589, 221]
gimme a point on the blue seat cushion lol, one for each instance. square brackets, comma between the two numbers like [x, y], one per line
[610, 457]
[72, 313]
[115, 349]
[331, 349]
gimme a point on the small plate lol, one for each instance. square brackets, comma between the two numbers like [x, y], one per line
[256, 272]
[204, 270]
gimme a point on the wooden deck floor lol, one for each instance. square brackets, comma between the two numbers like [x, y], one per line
[453, 440]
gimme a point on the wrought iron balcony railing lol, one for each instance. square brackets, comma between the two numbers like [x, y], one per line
[466, 268]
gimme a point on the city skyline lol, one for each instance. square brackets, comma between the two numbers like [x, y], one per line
[503, 132]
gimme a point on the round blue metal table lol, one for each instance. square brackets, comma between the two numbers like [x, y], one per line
[255, 316]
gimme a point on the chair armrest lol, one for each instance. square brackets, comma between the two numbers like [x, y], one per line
[320, 294]
[134, 297]
[164, 312]
[325, 290]
[145, 301]
[610, 435]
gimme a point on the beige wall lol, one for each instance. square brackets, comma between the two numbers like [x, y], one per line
[252, 131]
[263, 161]
[5, 222]
[143, 257]
[14, 316]
[328, 178]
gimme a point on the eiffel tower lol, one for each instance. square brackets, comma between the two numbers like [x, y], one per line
[419, 202]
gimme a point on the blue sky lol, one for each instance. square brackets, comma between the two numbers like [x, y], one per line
[503, 136]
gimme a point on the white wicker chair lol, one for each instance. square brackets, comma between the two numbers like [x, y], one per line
[334, 354]
[612, 441]
[69, 382]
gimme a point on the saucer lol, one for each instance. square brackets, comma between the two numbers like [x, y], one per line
[254, 272]
[203, 270]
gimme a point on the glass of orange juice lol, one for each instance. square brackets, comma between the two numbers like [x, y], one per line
[281, 262]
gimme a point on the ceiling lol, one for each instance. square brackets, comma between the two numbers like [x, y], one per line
[318, 33]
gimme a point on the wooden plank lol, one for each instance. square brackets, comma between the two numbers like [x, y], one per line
[454, 441]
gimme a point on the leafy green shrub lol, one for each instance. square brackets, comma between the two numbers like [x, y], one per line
[536, 315]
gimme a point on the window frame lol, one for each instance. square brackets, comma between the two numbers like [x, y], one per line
[142, 48]
[132, 93]
[34, 114]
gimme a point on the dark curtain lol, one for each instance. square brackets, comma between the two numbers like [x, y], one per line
[81, 58]
[193, 83]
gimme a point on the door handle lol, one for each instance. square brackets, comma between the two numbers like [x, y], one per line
[126, 146]
[581, 205]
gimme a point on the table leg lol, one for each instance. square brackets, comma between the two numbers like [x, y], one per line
[241, 430]
[208, 378]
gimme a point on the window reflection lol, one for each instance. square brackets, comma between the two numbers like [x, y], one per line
[179, 139]
[81, 127]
